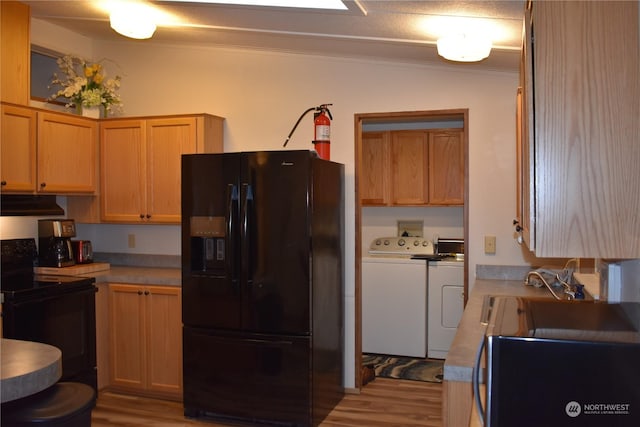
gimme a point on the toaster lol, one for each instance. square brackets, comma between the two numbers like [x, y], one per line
[82, 251]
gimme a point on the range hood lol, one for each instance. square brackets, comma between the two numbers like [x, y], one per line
[28, 205]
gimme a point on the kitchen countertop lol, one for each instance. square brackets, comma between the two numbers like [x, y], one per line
[458, 365]
[27, 368]
[139, 275]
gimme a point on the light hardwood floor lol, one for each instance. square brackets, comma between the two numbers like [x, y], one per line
[382, 402]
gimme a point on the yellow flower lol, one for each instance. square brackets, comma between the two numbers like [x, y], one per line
[98, 78]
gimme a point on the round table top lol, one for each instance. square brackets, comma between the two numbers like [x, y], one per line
[27, 367]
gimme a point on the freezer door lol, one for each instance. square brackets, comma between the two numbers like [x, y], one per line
[211, 288]
[276, 241]
[253, 378]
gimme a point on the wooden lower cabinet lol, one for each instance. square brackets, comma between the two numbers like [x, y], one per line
[145, 329]
[457, 402]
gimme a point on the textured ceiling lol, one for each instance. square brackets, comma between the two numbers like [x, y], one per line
[404, 31]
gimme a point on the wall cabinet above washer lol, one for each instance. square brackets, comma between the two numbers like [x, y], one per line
[412, 168]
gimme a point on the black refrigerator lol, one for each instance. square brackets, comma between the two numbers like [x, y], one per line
[262, 286]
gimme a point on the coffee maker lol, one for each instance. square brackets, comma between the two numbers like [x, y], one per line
[54, 242]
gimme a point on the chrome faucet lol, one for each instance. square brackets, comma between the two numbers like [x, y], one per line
[540, 278]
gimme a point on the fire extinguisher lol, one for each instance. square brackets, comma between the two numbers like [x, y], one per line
[321, 130]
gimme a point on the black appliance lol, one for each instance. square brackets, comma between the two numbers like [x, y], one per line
[54, 242]
[55, 310]
[554, 363]
[262, 286]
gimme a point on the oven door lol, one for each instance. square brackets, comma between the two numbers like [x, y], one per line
[66, 321]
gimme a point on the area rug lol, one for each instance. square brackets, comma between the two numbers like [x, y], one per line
[405, 368]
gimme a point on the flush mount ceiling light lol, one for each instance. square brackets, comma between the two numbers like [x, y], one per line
[464, 47]
[134, 20]
[305, 4]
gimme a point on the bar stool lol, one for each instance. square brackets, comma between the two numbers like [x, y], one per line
[64, 404]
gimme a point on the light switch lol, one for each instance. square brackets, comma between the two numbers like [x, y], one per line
[489, 244]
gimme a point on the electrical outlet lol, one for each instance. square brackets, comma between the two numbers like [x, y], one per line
[489, 244]
[132, 240]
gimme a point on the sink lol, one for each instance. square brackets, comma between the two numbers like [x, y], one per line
[581, 320]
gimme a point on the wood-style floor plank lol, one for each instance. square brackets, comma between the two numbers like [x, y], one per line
[382, 402]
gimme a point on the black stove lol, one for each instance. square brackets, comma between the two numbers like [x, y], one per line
[53, 309]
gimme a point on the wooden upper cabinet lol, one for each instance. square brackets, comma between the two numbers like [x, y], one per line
[409, 168]
[167, 140]
[140, 166]
[446, 167]
[122, 170]
[66, 154]
[374, 179]
[412, 168]
[18, 149]
[15, 51]
[584, 131]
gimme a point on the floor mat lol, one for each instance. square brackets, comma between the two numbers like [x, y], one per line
[406, 368]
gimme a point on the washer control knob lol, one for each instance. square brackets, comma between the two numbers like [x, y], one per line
[401, 242]
[425, 243]
[416, 243]
[386, 243]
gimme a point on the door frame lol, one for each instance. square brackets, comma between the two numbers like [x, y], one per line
[406, 116]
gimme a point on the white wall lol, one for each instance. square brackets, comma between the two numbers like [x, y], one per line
[261, 95]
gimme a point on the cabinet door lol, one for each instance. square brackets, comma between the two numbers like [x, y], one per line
[18, 150]
[164, 339]
[167, 140]
[15, 50]
[102, 334]
[586, 127]
[446, 168]
[376, 169]
[409, 168]
[127, 325]
[67, 154]
[123, 183]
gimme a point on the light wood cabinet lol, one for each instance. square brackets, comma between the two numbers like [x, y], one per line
[48, 153]
[446, 167]
[140, 168]
[145, 327]
[102, 334]
[15, 51]
[66, 154]
[409, 168]
[374, 181]
[580, 130]
[18, 149]
[412, 168]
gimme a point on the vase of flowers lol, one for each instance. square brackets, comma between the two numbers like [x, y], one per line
[85, 86]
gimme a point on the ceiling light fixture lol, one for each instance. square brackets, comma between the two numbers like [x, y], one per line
[463, 47]
[134, 20]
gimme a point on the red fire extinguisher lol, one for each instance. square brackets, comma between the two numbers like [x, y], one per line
[321, 130]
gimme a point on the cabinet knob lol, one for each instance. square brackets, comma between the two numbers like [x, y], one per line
[141, 216]
[139, 292]
[43, 184]
[146, 292]
[517, 224]
[3, 182]
[148, 216]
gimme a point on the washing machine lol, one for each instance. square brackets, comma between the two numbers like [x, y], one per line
[394, 297]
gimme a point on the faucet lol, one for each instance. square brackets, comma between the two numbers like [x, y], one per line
[569, 292]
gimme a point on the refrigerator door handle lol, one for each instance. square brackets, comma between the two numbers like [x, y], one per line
[232, 206]
[247, 261]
